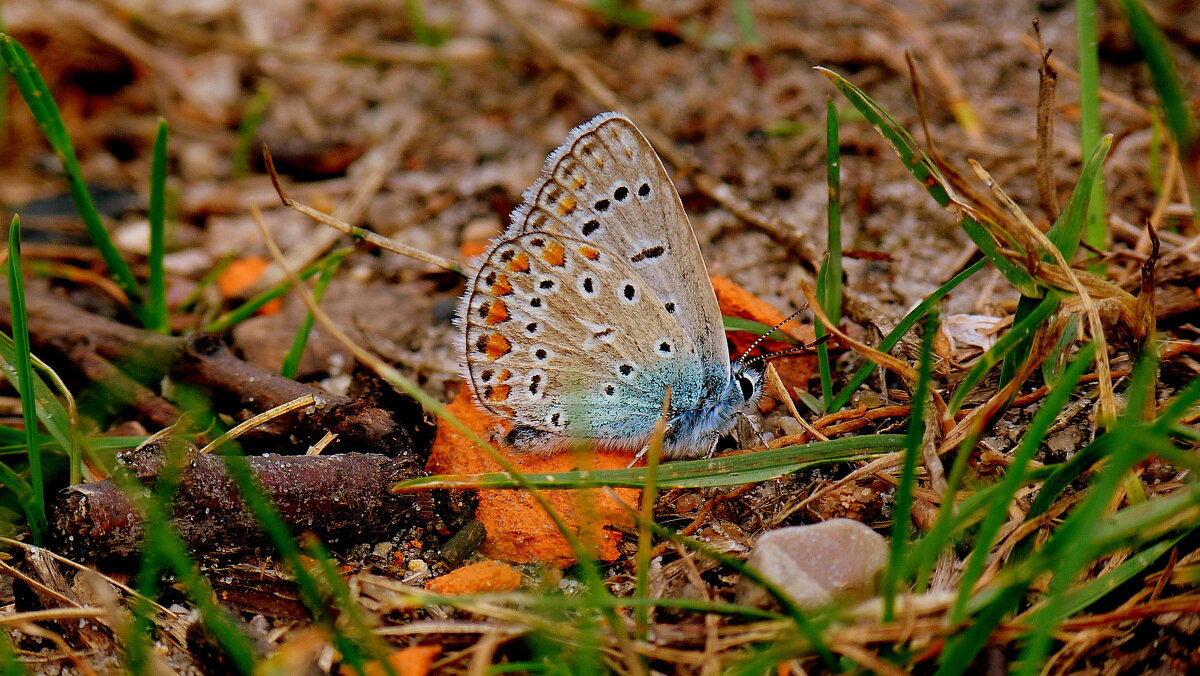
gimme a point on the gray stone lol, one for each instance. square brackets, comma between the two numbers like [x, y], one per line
[818, 564]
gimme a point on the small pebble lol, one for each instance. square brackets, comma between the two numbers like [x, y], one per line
[837, 560]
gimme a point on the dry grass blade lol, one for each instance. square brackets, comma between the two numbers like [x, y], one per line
[887, 361]
[354, 230]
[261, 418]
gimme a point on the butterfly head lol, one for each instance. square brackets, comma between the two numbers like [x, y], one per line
[694, 430]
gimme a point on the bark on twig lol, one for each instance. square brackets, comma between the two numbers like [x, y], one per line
[342, 498]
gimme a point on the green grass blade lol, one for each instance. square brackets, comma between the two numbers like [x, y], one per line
[1075, 543]
[719, 471]
[1096, 229]
[291, 361]
[743, 15]
[959, 654]
[1067, 230]
[10, 664]
[50, 411]
[37, 96]
[908, 472]
[35, 509]
[156, 304]
[251, 120]
[247, 309]
[758, 329]
[1081, 596]
[1171, 92]
[893, 337]
[926, 172]
[1065, 234]
[829, 278]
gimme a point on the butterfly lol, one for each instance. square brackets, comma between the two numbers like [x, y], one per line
[594, 301]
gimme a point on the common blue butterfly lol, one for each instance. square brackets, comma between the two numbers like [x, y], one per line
[594, 301]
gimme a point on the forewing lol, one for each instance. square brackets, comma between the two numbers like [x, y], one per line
[606, 186]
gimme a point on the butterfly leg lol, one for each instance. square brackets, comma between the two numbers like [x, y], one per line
[755, 428]
[640, 454]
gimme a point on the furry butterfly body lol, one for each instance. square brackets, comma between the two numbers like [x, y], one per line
[595, 301]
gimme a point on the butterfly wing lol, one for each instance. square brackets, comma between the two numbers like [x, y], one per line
[596, 298]
[563, 337]
[607, 186]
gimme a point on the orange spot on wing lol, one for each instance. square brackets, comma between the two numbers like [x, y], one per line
[498, 312]
[497, 392]
[553, 254]
[519, 263]
[497, 346]
[502, 287]
[590, 253]
[566, 205]
[505, 374]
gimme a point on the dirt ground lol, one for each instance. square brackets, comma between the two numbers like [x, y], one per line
[432, 146]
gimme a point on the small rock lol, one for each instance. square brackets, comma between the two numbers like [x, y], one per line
[815, 565]
[485, 576]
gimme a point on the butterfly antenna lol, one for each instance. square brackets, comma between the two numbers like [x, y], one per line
[760, 339]
[783, 353]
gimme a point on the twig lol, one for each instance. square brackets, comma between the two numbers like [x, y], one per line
[1047, 79]
[354, 230]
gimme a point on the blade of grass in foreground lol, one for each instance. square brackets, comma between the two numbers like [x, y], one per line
[720, 471]
[35, 507]
[50, 411]
[1015, 477]
[908, 472]
[1073, 545]
[37, 96]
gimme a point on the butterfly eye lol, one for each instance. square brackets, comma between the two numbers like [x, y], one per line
[747, 386]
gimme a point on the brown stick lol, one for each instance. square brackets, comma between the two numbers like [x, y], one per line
[86, 341]
[1047, 79]
[343, 498]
